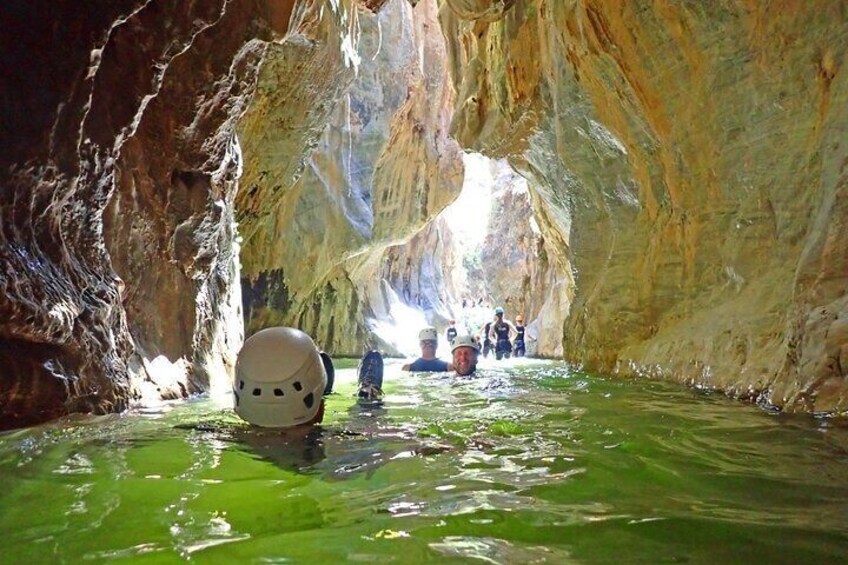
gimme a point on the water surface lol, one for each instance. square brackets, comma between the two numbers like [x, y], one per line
[531, 462]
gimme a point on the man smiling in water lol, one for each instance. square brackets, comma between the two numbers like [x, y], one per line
[465, 352]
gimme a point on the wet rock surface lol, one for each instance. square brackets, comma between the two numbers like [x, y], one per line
[686, 168]
[693, 161]
[330, 205]
[119, 167]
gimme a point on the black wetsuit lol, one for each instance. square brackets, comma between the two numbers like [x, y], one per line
[518, 345]
[487, 343]
[451, 334]
[503, 348]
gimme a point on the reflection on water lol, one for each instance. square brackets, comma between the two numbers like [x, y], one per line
[530, 462]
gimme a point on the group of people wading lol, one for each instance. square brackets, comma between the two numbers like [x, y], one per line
[499, 335]
[282, 377]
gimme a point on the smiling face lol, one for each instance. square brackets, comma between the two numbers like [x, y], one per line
[464, 360]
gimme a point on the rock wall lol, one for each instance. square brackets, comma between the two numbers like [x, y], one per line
[342, 242]
[691, 160]
[318, 226]
[119, 167]
[686, 165]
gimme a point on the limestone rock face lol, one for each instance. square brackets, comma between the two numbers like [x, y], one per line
[686, 166]
[521, 270]
[315, 223]
[691, 159]
[410, 286]
[120, 164]
[118, 168]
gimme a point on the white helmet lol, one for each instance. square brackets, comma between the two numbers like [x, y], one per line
[464, 341]
[428, 333]
[280, 379]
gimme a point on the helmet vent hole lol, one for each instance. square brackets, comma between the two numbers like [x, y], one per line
[309, 400]
[241, 385]
[257, 392]
[278, 392]
[297, 386]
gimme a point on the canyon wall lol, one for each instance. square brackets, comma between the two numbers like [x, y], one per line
[685, 166]
[119, 167]
[127, 126]
[344, 242]
[321, 230]
[691, 159]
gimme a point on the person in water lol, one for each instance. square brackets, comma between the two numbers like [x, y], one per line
[518, 345]
[451, 332]
[370, 369]
[428, 362]
[282, 377]
[465, 351]
[501, 334]
[484, 337]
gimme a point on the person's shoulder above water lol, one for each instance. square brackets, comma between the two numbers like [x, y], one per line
[431, 365]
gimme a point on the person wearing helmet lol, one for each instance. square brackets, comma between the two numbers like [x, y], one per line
[518, 348]
[428, 362]
[521, 336]
[501, 334]
[280, 379]
[484, 337]
[465, 351]
[451, 332]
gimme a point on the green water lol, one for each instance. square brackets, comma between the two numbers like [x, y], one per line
[530, 463]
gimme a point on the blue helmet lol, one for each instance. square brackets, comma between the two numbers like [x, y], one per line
[498, 310]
